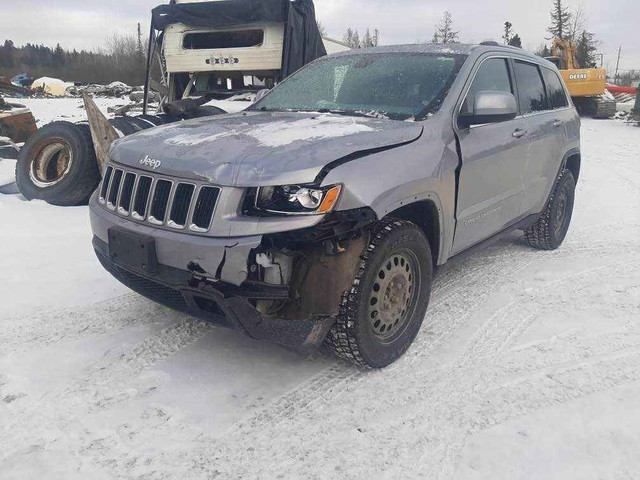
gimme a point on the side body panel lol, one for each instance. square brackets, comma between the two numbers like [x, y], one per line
[491, 184]
[553, 133]
[421, 171]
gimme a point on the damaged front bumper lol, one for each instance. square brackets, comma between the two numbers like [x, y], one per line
[223, 259]
[225, 305]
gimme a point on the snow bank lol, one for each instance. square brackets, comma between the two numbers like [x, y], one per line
[52, 86]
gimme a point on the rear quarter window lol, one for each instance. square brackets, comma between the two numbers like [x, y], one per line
[555, 90]
[531, 93]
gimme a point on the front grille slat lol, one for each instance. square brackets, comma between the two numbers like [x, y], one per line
[147, 198]
[181, 205]
[105, 184]
[160, 202]
[114, 189]
[141, 199]
[203, 212]
[124, 204]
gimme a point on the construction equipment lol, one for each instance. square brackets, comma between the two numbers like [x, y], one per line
[587, 86]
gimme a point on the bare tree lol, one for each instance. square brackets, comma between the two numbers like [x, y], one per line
[577, 25]
[321, 28]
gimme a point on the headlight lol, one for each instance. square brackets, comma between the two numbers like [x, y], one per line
[297, 199]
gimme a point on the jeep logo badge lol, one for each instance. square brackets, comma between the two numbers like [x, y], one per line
[147, 161]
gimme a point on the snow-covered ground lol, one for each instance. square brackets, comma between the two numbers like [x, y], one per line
[527, 366]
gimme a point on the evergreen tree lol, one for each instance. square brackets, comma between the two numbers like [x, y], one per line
[58, 55]
[368, 40]
[508, 33]
[351, 38]
[560, 20]
[586, 47]
[444, 31]
[516, 41]
[543, 51]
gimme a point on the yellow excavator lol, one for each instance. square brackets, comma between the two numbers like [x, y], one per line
[587, 86]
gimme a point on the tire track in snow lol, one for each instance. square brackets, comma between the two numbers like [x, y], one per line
[114, 380]
[46, 328]
[493, 339]
[467, 393]
[329, 384]
[512, 320]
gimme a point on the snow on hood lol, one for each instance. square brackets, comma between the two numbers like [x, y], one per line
[282, 132]
[259, 148]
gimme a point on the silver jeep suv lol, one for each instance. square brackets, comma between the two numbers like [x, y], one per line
[319, 215]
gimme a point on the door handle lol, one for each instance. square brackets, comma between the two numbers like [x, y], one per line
[557, 123]
[519, 133]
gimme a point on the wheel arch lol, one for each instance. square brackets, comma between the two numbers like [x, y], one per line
[426, 215]
[572, 162]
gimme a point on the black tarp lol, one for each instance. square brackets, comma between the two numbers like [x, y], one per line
[302, 43]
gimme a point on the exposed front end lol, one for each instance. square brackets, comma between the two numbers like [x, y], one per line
[187, 244]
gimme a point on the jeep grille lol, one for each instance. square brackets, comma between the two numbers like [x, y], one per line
[158, 201]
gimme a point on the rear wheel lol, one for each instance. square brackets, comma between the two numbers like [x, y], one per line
[382, 313]
[550, 230]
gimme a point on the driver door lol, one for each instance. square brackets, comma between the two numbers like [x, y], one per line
[494, 156]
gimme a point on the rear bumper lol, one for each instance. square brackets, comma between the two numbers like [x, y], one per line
[223, 304]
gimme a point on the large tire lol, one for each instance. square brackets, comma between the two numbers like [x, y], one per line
[382, 313]
[203, 111]
[123, 126]
[550, 230]
[58, 165]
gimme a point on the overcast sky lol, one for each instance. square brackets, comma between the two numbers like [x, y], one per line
[86, 23]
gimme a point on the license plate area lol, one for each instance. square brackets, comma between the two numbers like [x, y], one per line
[133, 251]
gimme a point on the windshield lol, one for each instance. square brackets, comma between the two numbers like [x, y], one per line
[396, 85]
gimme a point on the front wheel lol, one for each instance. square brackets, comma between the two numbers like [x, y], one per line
[382, 313]
[550, 230]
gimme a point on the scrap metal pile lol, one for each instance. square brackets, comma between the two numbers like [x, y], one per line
[25, 86]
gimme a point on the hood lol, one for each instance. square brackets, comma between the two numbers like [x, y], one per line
[258, 148]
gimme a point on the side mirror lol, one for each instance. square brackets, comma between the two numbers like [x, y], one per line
[490, 107]
[261, 94]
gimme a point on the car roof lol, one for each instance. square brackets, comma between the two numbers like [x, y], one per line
[449, 49]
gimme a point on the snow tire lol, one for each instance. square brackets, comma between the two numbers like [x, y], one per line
[550, 230]
[352, 337]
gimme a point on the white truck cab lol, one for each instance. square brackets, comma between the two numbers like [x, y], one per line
[228, 59]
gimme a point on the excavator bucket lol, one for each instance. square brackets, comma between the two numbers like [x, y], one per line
[102, 132]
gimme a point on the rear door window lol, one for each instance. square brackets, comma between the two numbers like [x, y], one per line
[493, 75]
[531, 91]
[555, 90]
